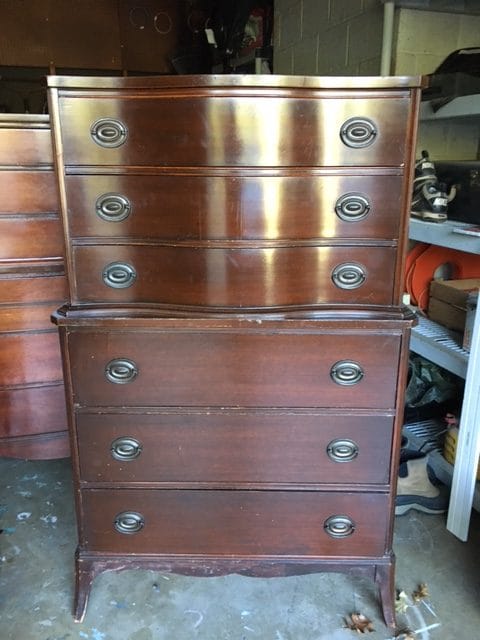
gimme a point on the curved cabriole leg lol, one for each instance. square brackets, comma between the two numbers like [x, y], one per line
[385, 579]
[84, 576]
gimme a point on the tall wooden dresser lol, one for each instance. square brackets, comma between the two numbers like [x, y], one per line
[235, 347]
[33, 421]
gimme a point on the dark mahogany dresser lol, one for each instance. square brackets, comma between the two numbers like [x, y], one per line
[33, 421]
[235, 348]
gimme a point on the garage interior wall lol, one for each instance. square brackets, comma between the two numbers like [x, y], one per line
[344, 37]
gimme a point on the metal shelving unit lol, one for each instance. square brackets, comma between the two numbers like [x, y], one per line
[461, 108]
[443, 347]
[440, 345]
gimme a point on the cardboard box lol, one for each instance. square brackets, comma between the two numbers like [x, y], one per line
[472, 302]
[447, 304]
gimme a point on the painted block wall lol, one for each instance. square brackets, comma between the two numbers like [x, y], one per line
[344, 37]
[328, 37]
[423, 39]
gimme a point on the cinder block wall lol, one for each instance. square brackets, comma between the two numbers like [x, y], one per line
[328, 37]
[344, 37]
[425, 38]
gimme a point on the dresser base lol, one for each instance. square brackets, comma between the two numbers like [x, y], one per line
[88, 566]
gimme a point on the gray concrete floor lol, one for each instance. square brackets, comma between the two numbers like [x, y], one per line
[36, 582]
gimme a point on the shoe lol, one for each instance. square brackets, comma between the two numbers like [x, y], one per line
[430, 198]
[416, 488]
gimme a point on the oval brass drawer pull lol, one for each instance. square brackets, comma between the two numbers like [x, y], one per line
[129, 522]
[126, 448]
[339, 526]
[346, 372]
[113, 207]
[349, 275]
[352, 207]
[358, 132]
[342, 450]
[108, 132]
[121, 371]
[119, 275]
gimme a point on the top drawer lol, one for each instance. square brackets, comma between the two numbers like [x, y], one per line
[232, 128]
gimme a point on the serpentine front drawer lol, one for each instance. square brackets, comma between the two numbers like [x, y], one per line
[283, 205]
[239, 277]
[179, 127]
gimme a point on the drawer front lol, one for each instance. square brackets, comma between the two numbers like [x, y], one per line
[234, 369]
[224, 277]
[233, 130]
[234, 207]
[31, 237]
[243, 523]
[25, 147]
[32, 410]
[231, 448]
[33, 288]
[28, 192]
[29, 358]
[29, 317]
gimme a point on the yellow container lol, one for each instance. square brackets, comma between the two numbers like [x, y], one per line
[450, 447]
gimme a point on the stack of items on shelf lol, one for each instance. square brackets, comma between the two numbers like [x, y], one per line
[451, 302]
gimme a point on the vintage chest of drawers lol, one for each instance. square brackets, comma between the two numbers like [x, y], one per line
[235, 347]
[33, 421]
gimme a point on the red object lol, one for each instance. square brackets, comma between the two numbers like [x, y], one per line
[425, 259]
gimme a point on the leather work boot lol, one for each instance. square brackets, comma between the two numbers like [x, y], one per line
[415, 489]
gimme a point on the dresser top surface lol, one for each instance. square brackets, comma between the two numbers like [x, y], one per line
[240, 80]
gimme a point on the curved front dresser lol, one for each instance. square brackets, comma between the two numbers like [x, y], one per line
[235, 350]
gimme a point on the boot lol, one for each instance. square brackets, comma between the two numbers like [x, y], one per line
[415, 489]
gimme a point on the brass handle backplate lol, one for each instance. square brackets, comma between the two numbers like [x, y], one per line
[357, 133]
[342, 450]
[113, 207]
[352, 207]
[119, 275]
[346, 372]
[129, 522]
[349, 275]
[125, 449]
[339, 526]
[121, 371]
[108, 132]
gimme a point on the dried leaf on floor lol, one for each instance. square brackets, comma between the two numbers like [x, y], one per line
[420, 593]
[359, 623]
[405, 634]
[402, 602]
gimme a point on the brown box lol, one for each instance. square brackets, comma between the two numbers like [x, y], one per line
[448, 301]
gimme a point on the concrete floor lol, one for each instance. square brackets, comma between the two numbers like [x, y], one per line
[36, 582]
